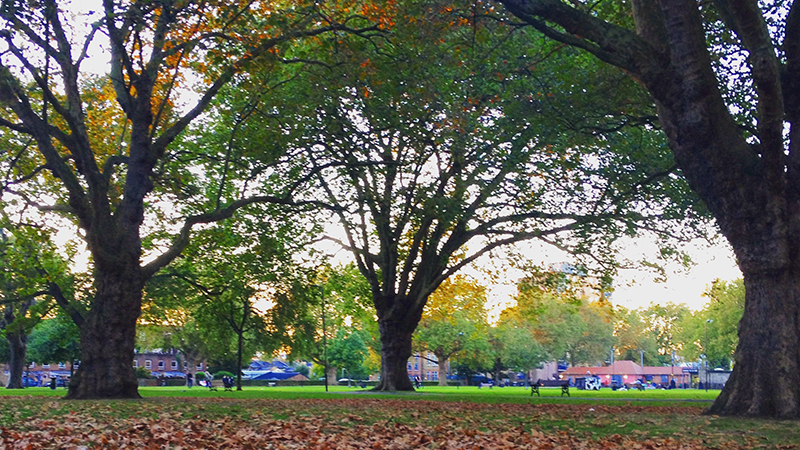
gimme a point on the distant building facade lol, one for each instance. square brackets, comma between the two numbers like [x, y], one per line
[168, 364]
[628, 372]
[425, 366]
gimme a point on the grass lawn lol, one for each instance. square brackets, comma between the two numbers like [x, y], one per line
[435, 418]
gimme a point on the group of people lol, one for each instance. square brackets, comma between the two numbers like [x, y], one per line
[205, 382]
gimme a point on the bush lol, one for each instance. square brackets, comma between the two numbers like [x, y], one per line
[143, 373]
[222, 373]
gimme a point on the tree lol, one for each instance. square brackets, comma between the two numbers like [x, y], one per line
[95, 155]
[591, 346]
[55, 340]
[29, 271]
[454, 321]
[724, 78]
[348, 351]
[555, 307]
[520, 351]
[725, 307]
[344, 320]
[664, 321]
[418, 146]
[634, 336]
[238, 291]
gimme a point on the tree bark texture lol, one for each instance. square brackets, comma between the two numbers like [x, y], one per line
[17, 344]
[107, 339]
[395, 351]
[750, 184]
[767, 373]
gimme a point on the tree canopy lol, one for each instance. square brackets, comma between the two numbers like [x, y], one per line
[430, 150]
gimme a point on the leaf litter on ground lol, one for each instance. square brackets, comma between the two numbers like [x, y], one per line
[329, 424]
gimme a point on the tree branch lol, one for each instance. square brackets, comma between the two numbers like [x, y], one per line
[182, 239]
[610, 43]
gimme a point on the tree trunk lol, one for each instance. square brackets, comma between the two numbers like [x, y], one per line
[107, 338]
[239, 353]
[395, 351]
[443, 363]
[332, 374]
[17, 343]
[766, 377]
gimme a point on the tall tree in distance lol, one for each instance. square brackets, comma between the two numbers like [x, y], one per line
[634, 336]
[454, 321]
[724, 76]
[96, 156]
[713, 330]
[553, 306]
[664, 321]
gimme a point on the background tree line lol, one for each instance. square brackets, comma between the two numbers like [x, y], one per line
[554, 317]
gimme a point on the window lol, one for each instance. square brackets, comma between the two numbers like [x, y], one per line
[200, 366]
[135, 363]
[33, 365]
[45, 366]
[148, 364]
[416, 366]
[174, 365]
[409, 367]
[161, 365]
[62, 365]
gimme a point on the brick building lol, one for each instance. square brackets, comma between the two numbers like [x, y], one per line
[169, 364]
[424, 366]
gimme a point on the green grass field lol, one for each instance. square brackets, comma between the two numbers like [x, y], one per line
[676, 397]
[434, 417]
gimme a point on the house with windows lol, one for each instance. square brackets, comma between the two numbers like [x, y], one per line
[167, 364]
[425, 366]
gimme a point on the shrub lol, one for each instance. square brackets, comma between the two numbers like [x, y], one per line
[143, 373]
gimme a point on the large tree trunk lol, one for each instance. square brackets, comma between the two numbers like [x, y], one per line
[395, 351]
[766, 376]
[17, 343]
[107, 339]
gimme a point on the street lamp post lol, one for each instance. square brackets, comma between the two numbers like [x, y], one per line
[324, 337]
[705, 347]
